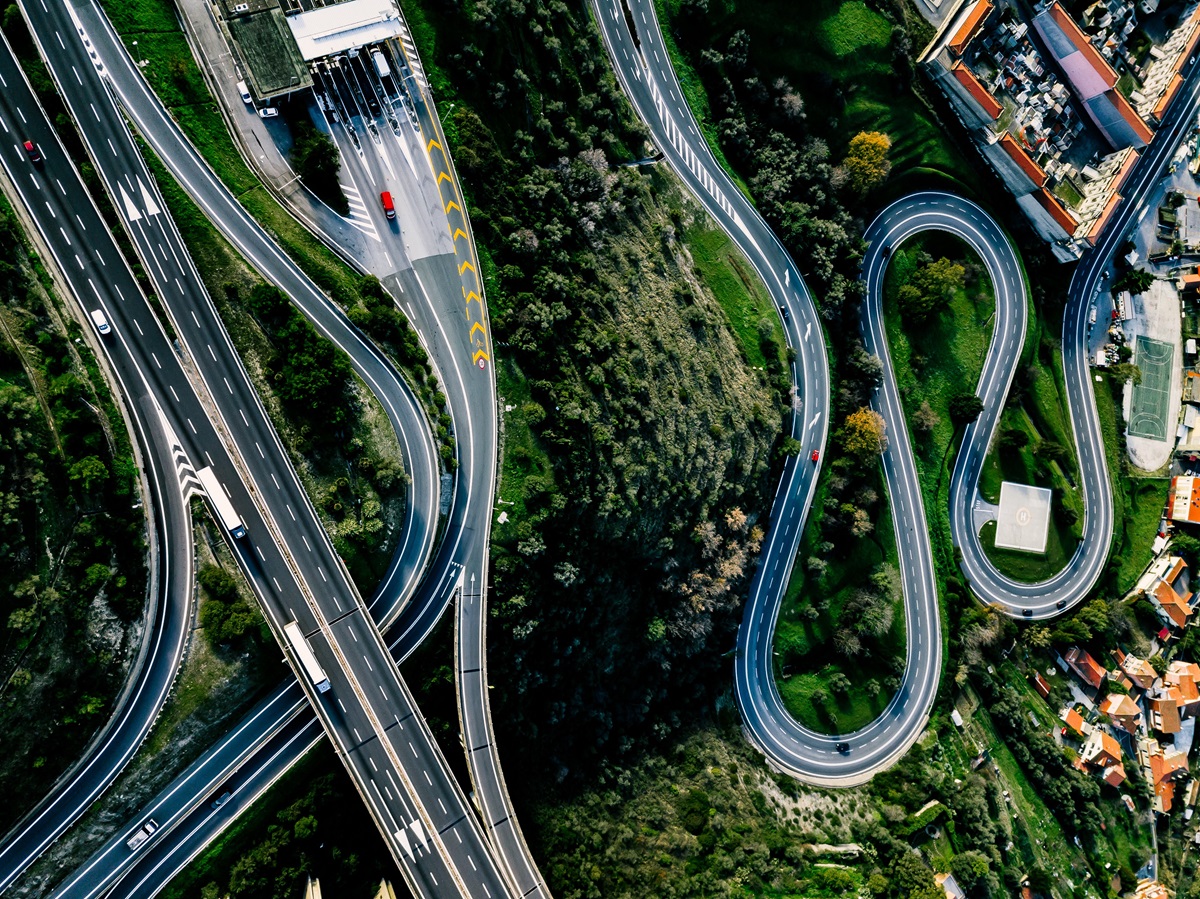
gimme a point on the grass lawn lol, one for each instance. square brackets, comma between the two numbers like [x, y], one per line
[738, 289]
[524, 463]
[934, 361]
[1145, 500]
[806, 660]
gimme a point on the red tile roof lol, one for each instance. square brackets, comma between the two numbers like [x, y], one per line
[1034, 171]
[1076, 36]
[970, 26]
[1093, 233]
[1085, 666]
[1057, 211]
[1168, 95]
[978, 93]
[1132, 119]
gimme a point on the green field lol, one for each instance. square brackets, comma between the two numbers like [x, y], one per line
[737, 287]
[855, 27]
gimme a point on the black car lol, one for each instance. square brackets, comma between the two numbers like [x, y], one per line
[843, 748]
[1028, 613]
[783, 310]
[1061, 604]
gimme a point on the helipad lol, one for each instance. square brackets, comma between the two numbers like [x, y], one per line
[1023, 521]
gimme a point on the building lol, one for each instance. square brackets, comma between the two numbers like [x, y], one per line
[1092, 78]
[1184, 500]
[1139, 671]
[1124, 712]
[949, 886]
[1182, 679]
[1102, 753]
[1087, 668]
[1074, 722]
[1163, 771]
[1164, 715]
[1162, 79]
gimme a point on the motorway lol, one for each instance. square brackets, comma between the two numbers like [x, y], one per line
[168, 617]
[469, 529]
[417, 832]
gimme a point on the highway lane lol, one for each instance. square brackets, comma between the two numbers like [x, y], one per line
[408, 815]
[149, 366]
[421, 220]
[65, 219]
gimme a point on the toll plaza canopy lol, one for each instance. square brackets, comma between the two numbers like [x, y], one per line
[344, 26]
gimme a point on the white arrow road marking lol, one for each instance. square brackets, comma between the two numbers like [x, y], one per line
[151, 206]
[420, 832]
[402, 837]
[131, 211]
[813, 422]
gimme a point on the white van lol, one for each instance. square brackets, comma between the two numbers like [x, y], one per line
[245, 92]
[100, 321]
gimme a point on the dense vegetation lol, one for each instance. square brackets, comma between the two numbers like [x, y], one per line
[73, 585]
[657, 433]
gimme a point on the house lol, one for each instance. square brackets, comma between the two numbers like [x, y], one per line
[1182, 679]
[1166, 585]
[1139, 671]
[1163, 770]
[1102, 753]
[1074, 722]
[1150, 889]
[1164, 715]
[1087, 668]
[1039, 684]
[1124, 712]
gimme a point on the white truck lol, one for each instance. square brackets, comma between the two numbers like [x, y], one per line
[142, 834]
[224, 508]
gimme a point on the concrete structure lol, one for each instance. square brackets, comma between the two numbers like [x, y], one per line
[1023, 522]
[334, 29]
[1092, 78]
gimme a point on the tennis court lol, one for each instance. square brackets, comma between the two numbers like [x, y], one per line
[1151, 398]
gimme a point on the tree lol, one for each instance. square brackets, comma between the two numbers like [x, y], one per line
[1051, 451]
[965, 408]
[1013, 439]
[925, 419]
[1136, 281]
[316, 160]
[864, 434]
[866, 161]
[914, 303]
[939, 278]
[1124, 372]
[89, 471]
[969, 868]
[1187, 546]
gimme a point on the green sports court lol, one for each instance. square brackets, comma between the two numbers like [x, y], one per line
[1151, 398]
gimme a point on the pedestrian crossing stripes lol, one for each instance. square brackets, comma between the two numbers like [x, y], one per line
[358, 217]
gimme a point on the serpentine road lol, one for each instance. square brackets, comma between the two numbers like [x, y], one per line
[635, 44]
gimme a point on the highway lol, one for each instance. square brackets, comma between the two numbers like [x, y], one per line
[421, 817]
[469, 521]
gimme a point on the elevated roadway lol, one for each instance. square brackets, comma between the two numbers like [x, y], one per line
[419, 817]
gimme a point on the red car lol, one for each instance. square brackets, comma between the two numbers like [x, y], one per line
[32, 151]
[816, 454]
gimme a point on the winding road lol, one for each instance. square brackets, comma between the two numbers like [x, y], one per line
[632, 35]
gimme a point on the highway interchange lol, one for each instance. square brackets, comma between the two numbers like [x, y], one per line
[93, 69]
